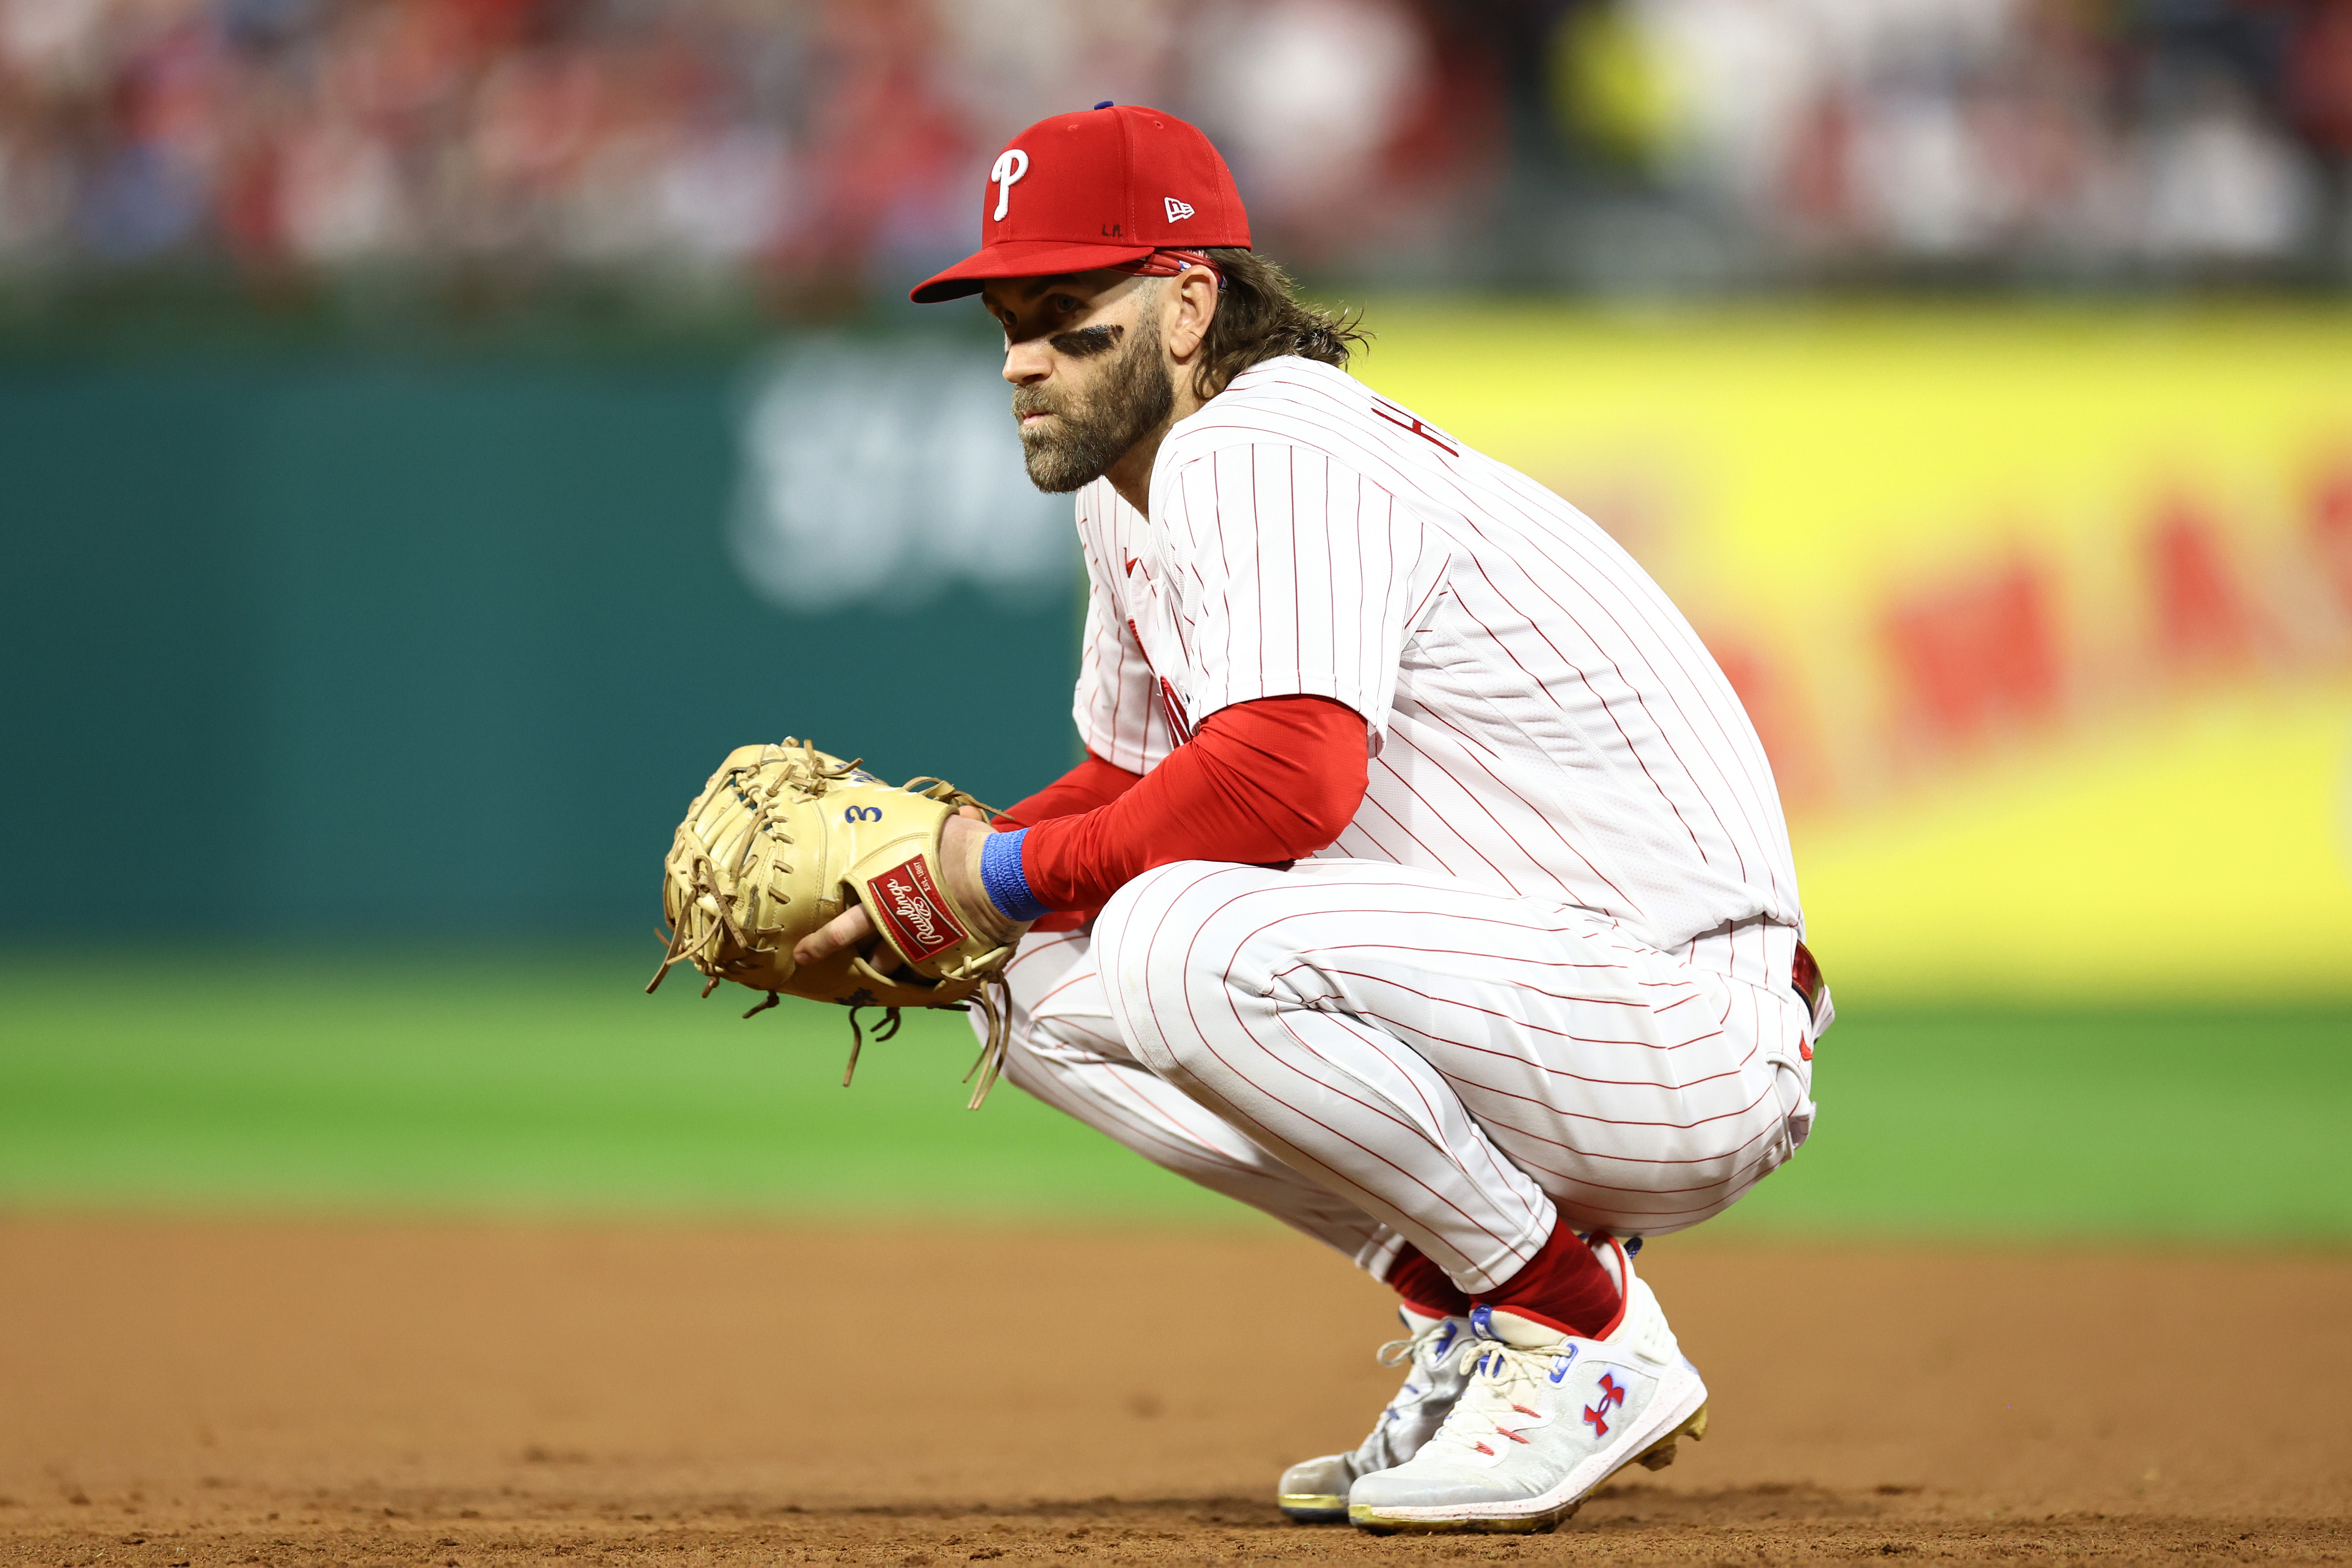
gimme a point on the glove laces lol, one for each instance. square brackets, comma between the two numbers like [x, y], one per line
[707, 876]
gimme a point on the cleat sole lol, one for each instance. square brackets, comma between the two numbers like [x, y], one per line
[1368, 1520]
[1661, 1453]
[1656, 1457]
[1313, 1508]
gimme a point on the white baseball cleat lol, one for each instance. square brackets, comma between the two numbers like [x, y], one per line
[1315, 1492]
[1546, 1419]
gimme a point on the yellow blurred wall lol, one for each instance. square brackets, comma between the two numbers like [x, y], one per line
[2045, 613]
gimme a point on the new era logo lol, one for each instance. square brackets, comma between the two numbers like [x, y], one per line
[1176, 209]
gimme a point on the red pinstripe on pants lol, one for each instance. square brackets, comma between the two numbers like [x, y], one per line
[1370, 1051]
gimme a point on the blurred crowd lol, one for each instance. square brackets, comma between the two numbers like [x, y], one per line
[817, 140]
[838, 144]
[2110, 136]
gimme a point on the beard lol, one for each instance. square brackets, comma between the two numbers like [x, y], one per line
[1091, 430]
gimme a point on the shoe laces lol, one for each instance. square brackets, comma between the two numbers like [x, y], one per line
[1415, 1347]
[1423, 1355]
[1504, 1379]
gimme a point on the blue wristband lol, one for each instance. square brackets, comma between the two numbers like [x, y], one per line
[1007, 884]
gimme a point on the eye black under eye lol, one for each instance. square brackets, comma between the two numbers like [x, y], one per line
[1088, 342]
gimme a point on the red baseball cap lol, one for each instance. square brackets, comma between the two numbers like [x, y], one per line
[1098, 189]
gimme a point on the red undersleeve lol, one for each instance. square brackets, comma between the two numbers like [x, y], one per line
[1091, 783]
[1259, 783]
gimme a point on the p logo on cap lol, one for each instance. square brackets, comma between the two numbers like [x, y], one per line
[1011, 164]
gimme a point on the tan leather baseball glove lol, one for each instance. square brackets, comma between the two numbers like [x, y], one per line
[775, 846]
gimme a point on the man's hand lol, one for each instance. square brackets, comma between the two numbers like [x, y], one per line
[961, 839]
[960, 843]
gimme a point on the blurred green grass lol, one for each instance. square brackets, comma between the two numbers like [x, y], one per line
[412, 1083]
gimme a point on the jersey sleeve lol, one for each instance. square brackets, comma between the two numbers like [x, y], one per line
[1304, 580]
[1118, 709]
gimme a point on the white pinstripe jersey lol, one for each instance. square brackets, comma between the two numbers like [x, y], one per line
[1543, 721]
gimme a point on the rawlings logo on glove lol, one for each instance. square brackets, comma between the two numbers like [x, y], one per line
[909, 902]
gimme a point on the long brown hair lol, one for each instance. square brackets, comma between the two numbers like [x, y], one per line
[1260, 316]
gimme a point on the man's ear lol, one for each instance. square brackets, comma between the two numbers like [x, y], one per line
[1190, 305]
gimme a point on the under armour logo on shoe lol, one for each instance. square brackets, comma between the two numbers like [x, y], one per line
[1612, 1393]
[1177, 210]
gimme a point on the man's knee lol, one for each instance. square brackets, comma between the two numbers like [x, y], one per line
[1168, 943]
[1122, 926]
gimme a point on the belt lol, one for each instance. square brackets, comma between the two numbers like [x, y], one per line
[1805, 979]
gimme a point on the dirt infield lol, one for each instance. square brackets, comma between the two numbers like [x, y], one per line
[215, 1394]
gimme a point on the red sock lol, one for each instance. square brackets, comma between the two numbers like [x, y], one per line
[1562, 1287]
[1424, 1286]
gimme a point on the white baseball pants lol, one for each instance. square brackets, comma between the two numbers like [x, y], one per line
[1373, 1054]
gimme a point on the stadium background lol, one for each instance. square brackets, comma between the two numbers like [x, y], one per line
[433, 430]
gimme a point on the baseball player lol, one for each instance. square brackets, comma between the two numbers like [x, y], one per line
[1423, 885]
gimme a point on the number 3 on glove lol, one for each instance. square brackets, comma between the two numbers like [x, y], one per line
[778, 844]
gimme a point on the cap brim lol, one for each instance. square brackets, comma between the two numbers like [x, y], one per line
[1022, 258]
